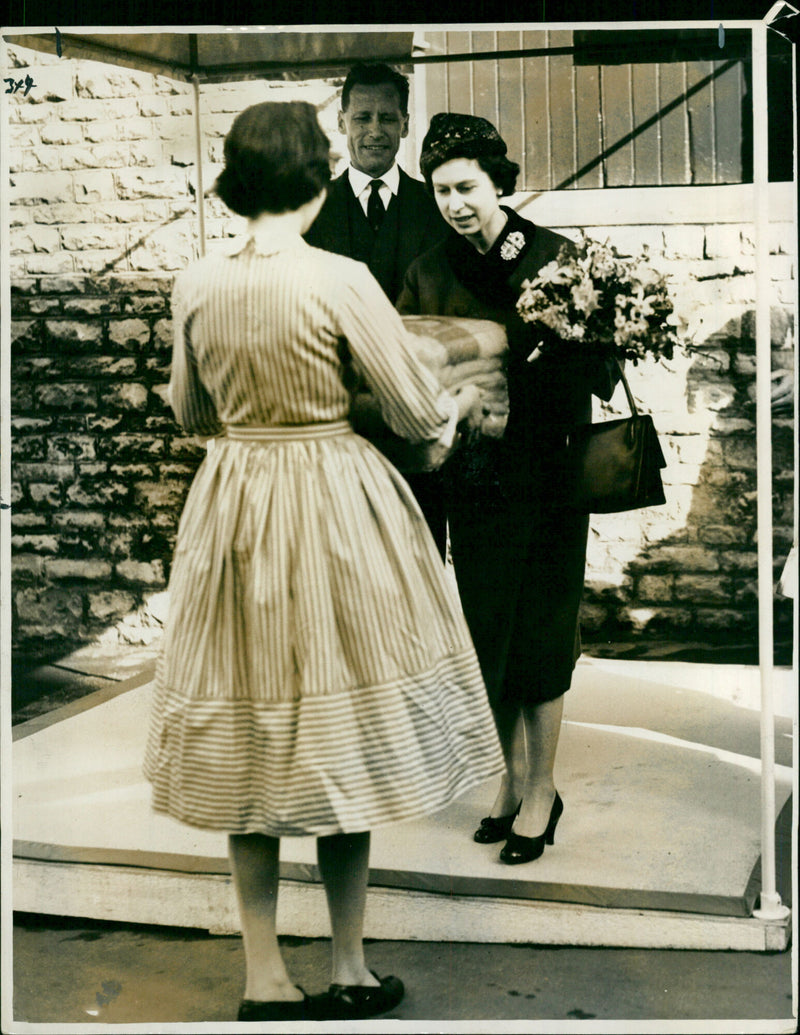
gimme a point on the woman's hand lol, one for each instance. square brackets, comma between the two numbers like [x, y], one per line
[469, 399]
[782, 391]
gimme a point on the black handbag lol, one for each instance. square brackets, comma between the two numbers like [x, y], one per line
[615, 465]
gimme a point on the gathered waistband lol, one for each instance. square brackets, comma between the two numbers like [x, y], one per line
[282, 432]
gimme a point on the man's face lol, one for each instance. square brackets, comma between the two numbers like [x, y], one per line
[374, 126]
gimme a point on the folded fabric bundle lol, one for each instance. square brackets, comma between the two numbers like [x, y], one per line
[474, 354]
[430, 352]
[463, 338]
[485, 373]
[459, 351]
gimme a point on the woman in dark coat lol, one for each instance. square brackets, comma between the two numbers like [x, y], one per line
[519, 553]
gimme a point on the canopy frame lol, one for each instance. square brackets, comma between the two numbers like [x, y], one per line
[770, 908]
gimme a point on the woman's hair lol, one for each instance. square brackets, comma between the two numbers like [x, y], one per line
[276, 159]
[452, 135]
[501, 171]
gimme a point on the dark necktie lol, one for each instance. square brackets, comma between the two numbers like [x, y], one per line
[375, 209]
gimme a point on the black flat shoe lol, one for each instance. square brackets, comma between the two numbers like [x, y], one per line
[518, 849]
[275, 1010]
[495, 828]
[354, 1002]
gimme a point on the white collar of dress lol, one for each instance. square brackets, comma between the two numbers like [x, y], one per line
[263, 242]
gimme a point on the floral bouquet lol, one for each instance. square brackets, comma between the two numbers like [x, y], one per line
[592, 295]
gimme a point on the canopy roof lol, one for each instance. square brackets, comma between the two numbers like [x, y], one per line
[277, 53]
[214, 56]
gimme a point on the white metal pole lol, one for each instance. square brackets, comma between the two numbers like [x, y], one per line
[198, 162]
[770, 907]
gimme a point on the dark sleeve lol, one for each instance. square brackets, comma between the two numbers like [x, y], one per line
[604, 374]
[408, 301]
[589, 369]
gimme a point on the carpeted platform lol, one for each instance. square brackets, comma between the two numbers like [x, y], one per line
[657, 767]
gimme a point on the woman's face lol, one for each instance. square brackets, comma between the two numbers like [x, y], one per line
[468, 199]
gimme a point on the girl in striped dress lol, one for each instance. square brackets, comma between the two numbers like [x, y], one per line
[317, 676]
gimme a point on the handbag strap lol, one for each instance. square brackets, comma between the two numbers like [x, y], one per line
[627, 387]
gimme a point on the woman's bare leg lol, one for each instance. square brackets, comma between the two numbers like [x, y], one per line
[511, 733]
[344, 867]
[254, 865]
[542, 723]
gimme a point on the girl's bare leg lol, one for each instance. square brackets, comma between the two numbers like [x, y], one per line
[344, 867]
[254, 865]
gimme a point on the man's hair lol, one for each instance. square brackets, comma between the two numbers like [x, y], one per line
[364, 74]
[276, 159]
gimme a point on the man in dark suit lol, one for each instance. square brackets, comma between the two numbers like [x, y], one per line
[374, 117]
[378, 214]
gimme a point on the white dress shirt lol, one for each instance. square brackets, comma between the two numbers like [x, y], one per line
[360, 182]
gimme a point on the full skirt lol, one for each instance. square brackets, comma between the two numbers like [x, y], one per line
[316, 675]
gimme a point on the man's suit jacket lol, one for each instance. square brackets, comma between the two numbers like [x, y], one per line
[419, 226]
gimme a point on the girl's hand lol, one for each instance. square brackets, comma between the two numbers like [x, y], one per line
[469, 399]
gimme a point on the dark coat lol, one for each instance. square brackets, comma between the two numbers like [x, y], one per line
[519, 555]
[412, 225]
[341, 227]
[547, 398]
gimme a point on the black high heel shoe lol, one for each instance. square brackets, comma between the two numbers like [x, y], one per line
[518, 849]
[495, 828]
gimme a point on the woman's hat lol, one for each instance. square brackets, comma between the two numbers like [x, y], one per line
[458, 136]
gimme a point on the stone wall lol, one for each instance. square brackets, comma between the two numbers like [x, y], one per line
[102, 215]
[688, 570]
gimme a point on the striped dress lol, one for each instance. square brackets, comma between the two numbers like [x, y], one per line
[316, 674]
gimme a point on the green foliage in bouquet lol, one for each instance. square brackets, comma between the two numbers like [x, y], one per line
[592, 295]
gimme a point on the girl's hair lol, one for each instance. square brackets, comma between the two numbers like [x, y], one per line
[276, 159]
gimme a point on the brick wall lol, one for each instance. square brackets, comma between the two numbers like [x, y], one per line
[102, 215]
[688, 570]
[99, 468]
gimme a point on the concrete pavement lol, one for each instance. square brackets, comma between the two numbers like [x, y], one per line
[96, 975]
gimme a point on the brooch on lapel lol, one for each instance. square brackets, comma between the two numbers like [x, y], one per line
[513, 245]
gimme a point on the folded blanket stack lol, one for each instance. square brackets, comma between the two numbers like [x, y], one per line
[459, 351]
[462, 351]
